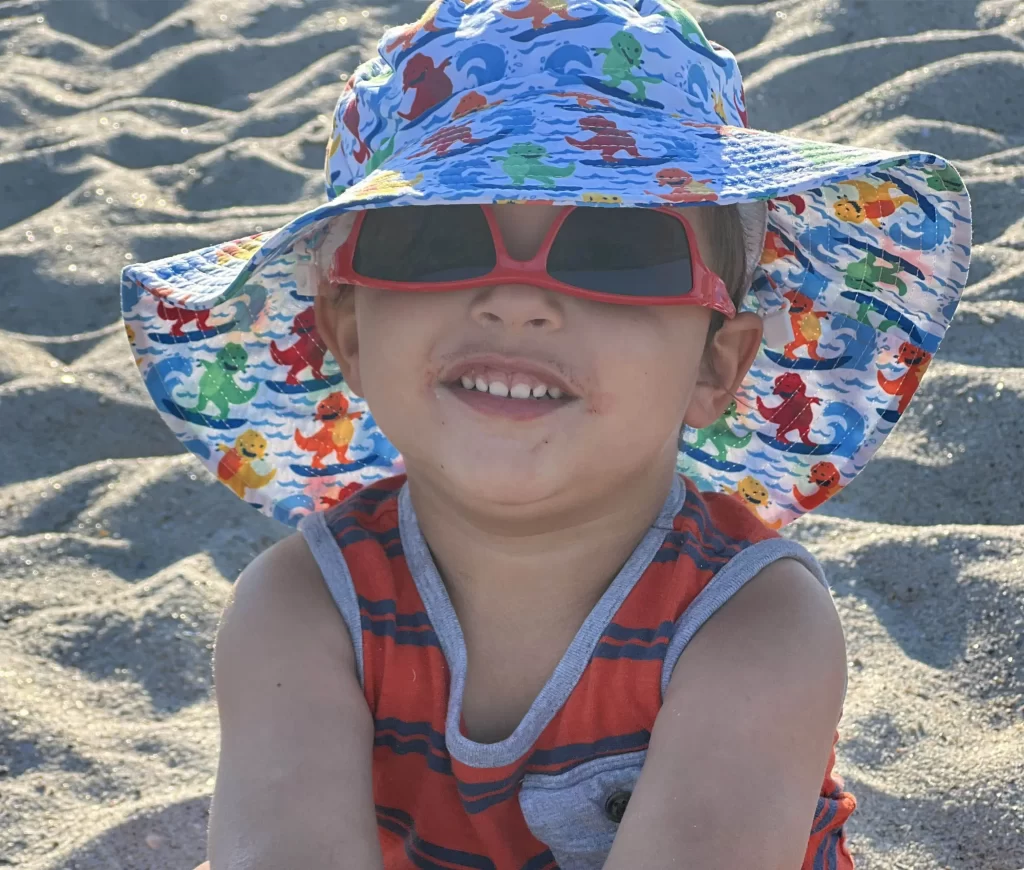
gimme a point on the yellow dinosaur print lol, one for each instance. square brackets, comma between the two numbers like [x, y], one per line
[752, 495]
[720, 107]
[872, 204]
[235, 470]
[383, 182]
[242, 250]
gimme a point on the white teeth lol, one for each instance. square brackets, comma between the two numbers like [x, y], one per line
[501, 389]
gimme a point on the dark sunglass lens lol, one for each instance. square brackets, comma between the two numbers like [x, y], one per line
[622, 251]
[439, 244]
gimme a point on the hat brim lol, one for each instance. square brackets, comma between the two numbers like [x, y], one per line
[876, 244]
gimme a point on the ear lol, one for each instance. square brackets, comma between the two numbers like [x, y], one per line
[726, 361]
[335, 312]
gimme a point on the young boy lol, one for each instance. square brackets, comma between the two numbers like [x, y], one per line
[471, 655]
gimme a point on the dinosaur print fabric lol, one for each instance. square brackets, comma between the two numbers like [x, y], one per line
[604, 103]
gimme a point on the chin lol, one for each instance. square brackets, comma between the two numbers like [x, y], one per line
[504, 481]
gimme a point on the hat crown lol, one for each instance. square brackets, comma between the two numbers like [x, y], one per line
[458, 58]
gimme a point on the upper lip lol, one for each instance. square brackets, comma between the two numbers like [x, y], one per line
[548, 374]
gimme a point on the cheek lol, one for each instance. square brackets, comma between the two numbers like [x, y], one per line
[646, 370]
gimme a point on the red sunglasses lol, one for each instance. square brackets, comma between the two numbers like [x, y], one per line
[628, 256]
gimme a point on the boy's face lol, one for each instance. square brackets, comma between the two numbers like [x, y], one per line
[629, 376]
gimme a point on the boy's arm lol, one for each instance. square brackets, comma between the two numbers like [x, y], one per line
[294, 787]
[740, 747]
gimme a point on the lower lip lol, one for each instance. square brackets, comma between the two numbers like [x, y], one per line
[514, 409]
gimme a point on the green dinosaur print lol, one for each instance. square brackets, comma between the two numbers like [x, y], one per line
[687, 23]
[380, 155]
[866, 276]
[721, 435]
[624, 54]
[943, 179]
[217, 384]
[524, 161]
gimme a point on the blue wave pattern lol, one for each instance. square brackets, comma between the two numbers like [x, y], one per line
[583, 102]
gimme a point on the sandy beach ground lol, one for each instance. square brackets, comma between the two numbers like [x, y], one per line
[133, 129]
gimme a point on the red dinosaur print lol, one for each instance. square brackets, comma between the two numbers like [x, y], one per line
[608, 138]
[540, 10]
[334, 436]
[474, 101]
[180, 316]
[740, 101]
[350, 118]
[826, 477]
[798, 203]
[425, 24]
[329, 501]
[774, 249]
[806, 323]
[683, 187]
[307, 352]
[445, 138]
[917, 362]
[584, 100]
[430, 82]
[794, 412]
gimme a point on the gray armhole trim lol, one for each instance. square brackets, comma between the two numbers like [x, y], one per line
[337, 577]
[744, 566]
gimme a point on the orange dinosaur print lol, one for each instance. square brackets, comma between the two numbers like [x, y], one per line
[806, 323]
[872, 204]
[774, 249]
[426, 23]
[540, 11]
[917, 362]
[583, 100]
[474, 101]
[334, 436]
[826, 477]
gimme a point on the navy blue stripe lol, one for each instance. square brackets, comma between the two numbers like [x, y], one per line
[827, 855]
[830, 814]
[412, 729]
[544, 861]
[405, 636]
[614, 631]
[401, 823]
[580, 752]
[346, 521]
[417, 745]
[567, 757]
[472, 789]
[631, 651]
[388, 609]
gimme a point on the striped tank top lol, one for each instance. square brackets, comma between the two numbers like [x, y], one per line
[551, 794]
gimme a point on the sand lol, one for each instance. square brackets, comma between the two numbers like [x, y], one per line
[133, 129]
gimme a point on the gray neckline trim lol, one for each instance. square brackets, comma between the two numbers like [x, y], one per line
[336, 575]
[569, 669]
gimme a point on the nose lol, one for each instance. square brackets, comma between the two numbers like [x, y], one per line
[518, 306]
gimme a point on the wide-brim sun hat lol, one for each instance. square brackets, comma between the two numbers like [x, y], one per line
[602, 103]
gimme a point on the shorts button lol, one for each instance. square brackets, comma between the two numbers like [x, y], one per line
[615, 806]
